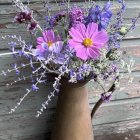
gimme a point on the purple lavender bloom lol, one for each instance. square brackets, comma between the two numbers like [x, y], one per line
[113, 40]
[23, 65]
[118, 25]
[53, 21]
[123, 7]
[107, 6]
[71, 73]
[21, 53]
[79, 77]
[35, 88]
[17, 71]
[12, 44]
[120, 1]
[47, 18]
[76, 16]
[32, 79]
[105, 97]
[133, 26]
[14, 66]
[114, 68]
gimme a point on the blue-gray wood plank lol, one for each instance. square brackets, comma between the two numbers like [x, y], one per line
[117, 120]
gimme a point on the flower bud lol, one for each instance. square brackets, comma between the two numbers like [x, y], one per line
[123, 30]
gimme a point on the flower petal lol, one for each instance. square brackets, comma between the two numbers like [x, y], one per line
[93, 53]
[40, 40]
[81, 52]
[38, 54]
[76, 35]
[44, 46]
[60, 59]
[56, 47]
[92, 29]
[82, 29]
[73, 43]
[101, 38]
[45, 36]
[39, 47]
[49, 36]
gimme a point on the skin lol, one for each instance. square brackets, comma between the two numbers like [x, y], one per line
[73, 120]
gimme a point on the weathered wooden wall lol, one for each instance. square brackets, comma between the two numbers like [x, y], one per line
[116, 120]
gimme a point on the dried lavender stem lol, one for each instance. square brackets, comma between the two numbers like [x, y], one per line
[3, 54]
[18, 68]
[28, 91]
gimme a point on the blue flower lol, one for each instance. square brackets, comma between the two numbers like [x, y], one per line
[100, 16]
[34, 87]
[105, 97]
[120, 1]
[17, 71]
[71, 73]
[94, 14]
[79, 77]
[107, 6]
[105, 19]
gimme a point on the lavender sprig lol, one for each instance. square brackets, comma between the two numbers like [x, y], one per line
[28, 91]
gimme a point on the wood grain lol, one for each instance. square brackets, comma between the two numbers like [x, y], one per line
[116, 120]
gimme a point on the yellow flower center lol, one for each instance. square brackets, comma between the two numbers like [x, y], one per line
[88, 42]
[49, 43]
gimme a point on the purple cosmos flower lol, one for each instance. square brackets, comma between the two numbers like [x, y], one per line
[49, 42]
[87, 41]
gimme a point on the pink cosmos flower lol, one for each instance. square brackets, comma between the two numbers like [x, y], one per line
[87, 41]
[49, 42]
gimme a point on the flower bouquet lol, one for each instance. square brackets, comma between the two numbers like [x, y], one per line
[75, 45]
